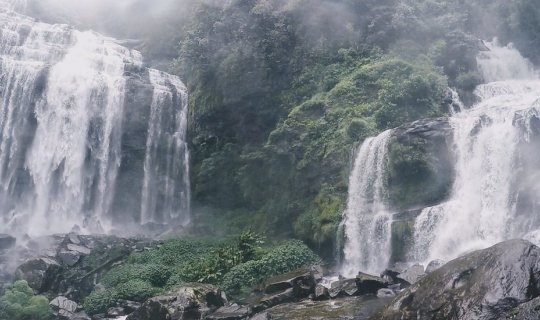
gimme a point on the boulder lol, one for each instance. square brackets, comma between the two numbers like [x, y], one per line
[386, 293]
[484, 284]
[40, 273]
[268, 301]
[302, 282]
[434, 265]
[411, 275]
[231, 312]
[321, 293]
[63, 308]
[7, 241]
[526, 311]
[68, 258]
[189, 301]
[343, 288]
[368, 284]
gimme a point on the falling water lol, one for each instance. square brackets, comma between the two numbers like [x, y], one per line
[482, 208]
[366, 219]
[67, 125]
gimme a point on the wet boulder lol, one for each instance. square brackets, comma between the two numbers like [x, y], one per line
[63, 308]
[40, 273]
[301, 281]
[484, 284]
[231, 312]
[189, 301]
[369, 284]
[526, 311]
[434, 265]
[411, 275]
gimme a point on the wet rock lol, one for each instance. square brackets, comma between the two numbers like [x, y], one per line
[261, 316]
[232, 312]
[188, 301]
[63, 308]
[301, 281]
[526, 311]
[268, 301]
[115, 312]
[343, 288]
[485, 284]
[411, 275]
[40, 273]
[79, 249]
[321, 293]
[434, 265]
[69, 258]
[386, 293]
[348, 308]
[368, 284]
[7, 241]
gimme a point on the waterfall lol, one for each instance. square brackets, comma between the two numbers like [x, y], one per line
[487, 138]
[89, 137]
[366, 220]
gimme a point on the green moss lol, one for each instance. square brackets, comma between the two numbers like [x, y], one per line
[417, 174]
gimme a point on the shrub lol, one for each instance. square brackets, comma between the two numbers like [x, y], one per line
[155, 274]
[100, 301]
[284, 258]
[136, 290]
[20, 303]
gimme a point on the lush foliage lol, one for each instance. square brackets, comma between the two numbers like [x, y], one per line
[149, 273]
[282, 259]
[20, 303]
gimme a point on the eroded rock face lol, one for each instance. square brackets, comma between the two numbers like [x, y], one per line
[485, 284]
[186, 302]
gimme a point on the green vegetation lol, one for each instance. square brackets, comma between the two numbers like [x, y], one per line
[231, 264]
[20, 303]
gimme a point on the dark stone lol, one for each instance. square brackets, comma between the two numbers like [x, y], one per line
[115, 312]
[232, 312]
[348, 308]
[434, 265]
[186, 302]
[63, 308]
[273, 300]
[7, 241]
[526, 311]
[343, 288]
[411, 275]
[386, 293]
[368, 284]
[484, 284]
[321, 293]
[69, 258]
[301, 281]
[40, 273]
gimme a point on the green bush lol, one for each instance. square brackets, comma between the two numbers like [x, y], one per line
[136, 290]
[155, 274]
[282, 259]
[20, 303]
[100, 301]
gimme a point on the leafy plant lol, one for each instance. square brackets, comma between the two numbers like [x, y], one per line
[20, 303]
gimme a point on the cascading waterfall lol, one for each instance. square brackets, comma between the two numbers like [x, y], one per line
[367, 220]
[88, 136]
[482, 208]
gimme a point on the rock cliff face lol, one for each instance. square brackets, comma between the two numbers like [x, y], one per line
[86, 130]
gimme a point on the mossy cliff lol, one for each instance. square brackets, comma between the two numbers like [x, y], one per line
[282, 92]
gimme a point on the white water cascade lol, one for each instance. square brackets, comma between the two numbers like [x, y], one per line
[367, 220]
[482, 207]
[89, 137]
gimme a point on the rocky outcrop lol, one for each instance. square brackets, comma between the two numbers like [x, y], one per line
[485, 284]
[186, 302]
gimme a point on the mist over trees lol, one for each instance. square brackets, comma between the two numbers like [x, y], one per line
[281, 91]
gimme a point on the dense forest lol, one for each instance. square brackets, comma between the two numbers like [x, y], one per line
[281, 93]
